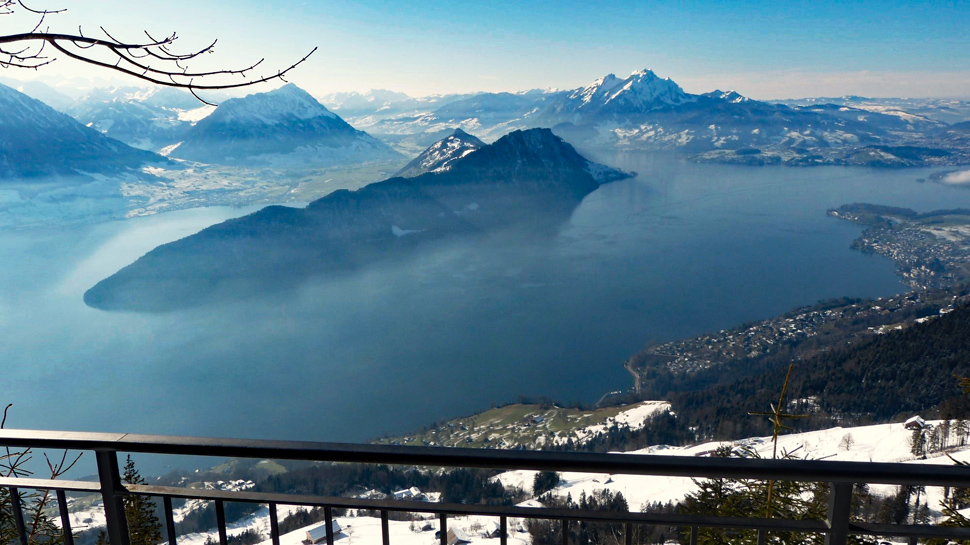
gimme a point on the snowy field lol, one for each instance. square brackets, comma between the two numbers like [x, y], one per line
[878, 443]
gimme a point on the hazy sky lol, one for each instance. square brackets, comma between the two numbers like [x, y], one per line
[763, 49]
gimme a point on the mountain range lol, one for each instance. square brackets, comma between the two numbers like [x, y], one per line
[529, 180]
[37, 141]
[150, 119]
[646, 112]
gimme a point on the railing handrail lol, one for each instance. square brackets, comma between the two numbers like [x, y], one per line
[612, 463]
[106, 446]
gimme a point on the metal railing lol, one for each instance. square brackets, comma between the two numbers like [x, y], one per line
[842, 476]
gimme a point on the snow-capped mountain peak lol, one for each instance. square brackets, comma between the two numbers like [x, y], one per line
[644, 89]
[278, 106]
[440, 156]
[728, 96]
[596, 89]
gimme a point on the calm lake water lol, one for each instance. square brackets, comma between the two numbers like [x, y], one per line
[680, 250]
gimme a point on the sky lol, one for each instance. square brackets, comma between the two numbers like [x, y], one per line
[762, 49]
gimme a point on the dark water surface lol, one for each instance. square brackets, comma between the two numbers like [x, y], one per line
[680, 250]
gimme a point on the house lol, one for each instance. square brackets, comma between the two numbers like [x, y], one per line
[915, 423]
[457, 536]
[318, 534]
[413, 494]
[492, 529]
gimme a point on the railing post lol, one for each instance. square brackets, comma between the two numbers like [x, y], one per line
[113, 494]
[840, 507]
[762, 536]
[274, 524]
[503, 530]
[693, 535]
[443, 533]
[385, 528]
[565, 531]
[65, 518]
[628, 534]
[18, 515]
[221, 523]
[169, 519]
[328, 520]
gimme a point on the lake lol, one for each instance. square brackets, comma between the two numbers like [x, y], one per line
[680, 250]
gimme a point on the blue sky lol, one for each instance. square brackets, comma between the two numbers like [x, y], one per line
[762, 49]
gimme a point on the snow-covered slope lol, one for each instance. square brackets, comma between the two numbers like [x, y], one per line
[284, 126]
[442, 154]
[877, 443]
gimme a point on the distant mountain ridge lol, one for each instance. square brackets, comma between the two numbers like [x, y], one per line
[529, 180]
[266, 128]
[38, 141]
[647, 113]
[149, 119]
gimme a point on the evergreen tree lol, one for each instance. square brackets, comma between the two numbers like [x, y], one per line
[544, 481]
[143, 525]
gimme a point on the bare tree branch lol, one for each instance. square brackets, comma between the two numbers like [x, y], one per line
[154, 61]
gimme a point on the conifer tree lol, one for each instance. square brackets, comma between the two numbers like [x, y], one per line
[144, 527]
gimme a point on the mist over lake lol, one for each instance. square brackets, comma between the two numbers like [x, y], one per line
[681, 249]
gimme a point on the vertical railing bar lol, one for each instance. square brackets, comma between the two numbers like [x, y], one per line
[503, 530]
[18, 515]
[443, 528]
[385, 528]
[169, 519]
[328, 517]
[221, 522]
[628, 533]
[762, 536]
[565, 532]
[913, 540]
[840, 507]
[113, 494]
[65, 518]
[274, 524]
[693, 535]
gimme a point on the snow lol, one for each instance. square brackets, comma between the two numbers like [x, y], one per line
[877, 443]
[368, 530]
[196, 115]
[274, 107]
[441, 155]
